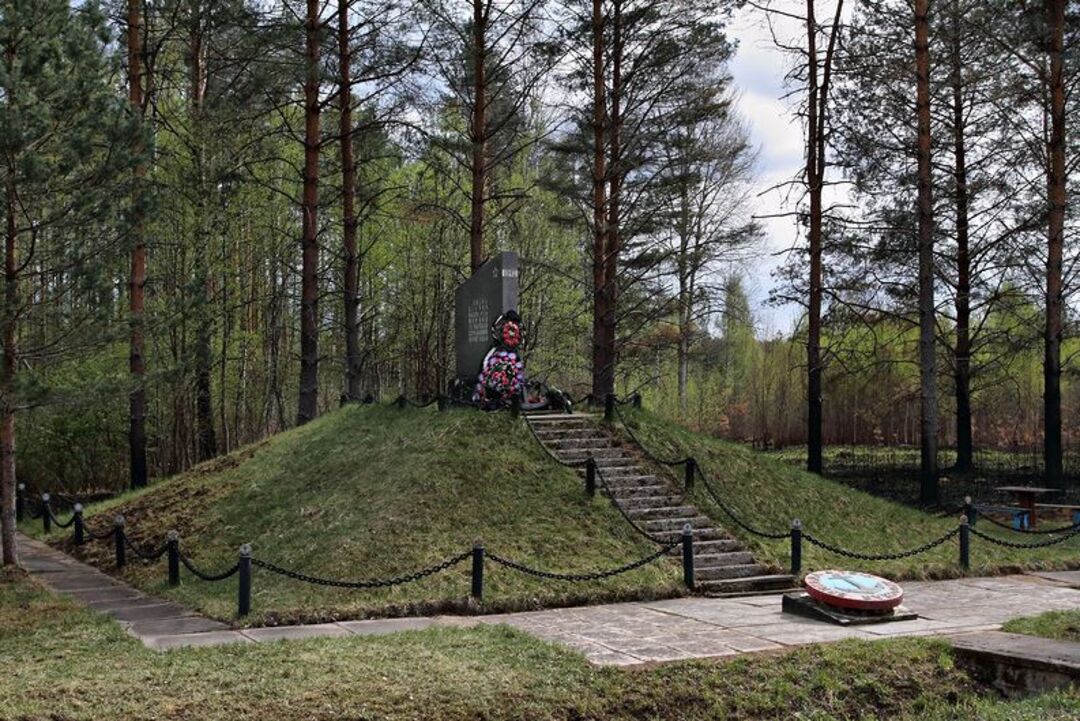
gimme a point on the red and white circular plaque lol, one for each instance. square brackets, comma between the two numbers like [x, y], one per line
[850, 589]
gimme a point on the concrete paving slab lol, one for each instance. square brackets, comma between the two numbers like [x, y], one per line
[1069, 578]
[80, 581]
[149, 612]
[174, 626]
[281, 633]
[381, 626]
[107, 599]
[207, 638]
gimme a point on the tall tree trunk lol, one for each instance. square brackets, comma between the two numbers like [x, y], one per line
[962, 350]
[616, 173]
[599, 209]
[928, 470]
[206, 439]
[137, 280]
[353, 361]
[7, 381]
[309, 279]
[1052, 448]
[814, 174]
[478, 136]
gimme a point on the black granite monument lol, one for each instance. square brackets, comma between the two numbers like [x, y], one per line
[478, 302]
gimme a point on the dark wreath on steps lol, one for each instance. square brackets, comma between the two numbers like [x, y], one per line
[502, 374]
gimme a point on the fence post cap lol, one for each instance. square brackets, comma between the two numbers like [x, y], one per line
[245, 550]
[963, 519]
[22, 486]
[78, 508]
[45, 497]
[967, 500]
[686, 529]
[172, 535]
[796, 525]
[118, 521]
[478, 543]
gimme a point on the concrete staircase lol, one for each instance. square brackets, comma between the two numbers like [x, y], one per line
[721, 564]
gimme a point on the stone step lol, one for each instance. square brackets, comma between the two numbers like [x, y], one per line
[627, 472]
[624, 493]
[600, 453]
[563, 421]
[748, 584]
[548, 434]
[641, 502]
[701, 535]
[657, 512]
[721, 573]
[704, 547]
[676, 523]
[573, 444]
[638, 479]
[731, 558]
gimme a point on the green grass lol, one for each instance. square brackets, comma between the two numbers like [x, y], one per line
[1061, 625]
[61, 661]
[769, 493]
[375, 492]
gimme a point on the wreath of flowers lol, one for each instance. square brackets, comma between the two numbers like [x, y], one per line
[511, 334]
[503, 376]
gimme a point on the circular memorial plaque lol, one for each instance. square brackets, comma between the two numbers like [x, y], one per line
[850, 589]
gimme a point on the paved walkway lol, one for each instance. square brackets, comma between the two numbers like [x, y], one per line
[616, 634]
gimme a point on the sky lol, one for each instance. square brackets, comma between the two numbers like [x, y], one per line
[758, 70]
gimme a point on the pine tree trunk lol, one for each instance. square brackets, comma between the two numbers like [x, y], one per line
[614, 241]
[353, 361]
[962, 351]
[7, 381]
[928, 470]
[137, 280]
[309, 280]
[206, 439]
[814, 174]
[1052, 443]
[478, 136]
[599, 209]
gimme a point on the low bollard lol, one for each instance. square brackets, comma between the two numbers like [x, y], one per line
[637, 400]
[477, 591]
[80, 530]
[796, 547]
[20, 502]
[590, 476]
[965, 543]
[172, 544]
[243, 565]
[440, 402]
[688, 556]
[46, 514]
[401, 402]
[969, 510]
[609, 408]
[121, 547]
[690, 474]
[515, 407]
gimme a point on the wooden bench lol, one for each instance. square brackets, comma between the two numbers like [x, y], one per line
[1074, 510]
[1021, 519]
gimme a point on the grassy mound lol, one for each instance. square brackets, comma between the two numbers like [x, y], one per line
[377, 492]
[769, 493]
[65, 662]
[1059, 625]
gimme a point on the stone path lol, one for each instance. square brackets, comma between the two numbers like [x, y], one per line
[616, 634]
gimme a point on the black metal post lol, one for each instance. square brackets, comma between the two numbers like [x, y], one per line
[20, 502]
[172, 543]
[691, 472]
[441, 402]
[515, 406]
[590, 476]
[401, 402]
[478, 572]
[118, 536]
[688, 556]
[46, 514]
[965, 544]
[80, 532]
[243, 606]
[969, 510]
[609, 408]
[637, 400]
[796, 547]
